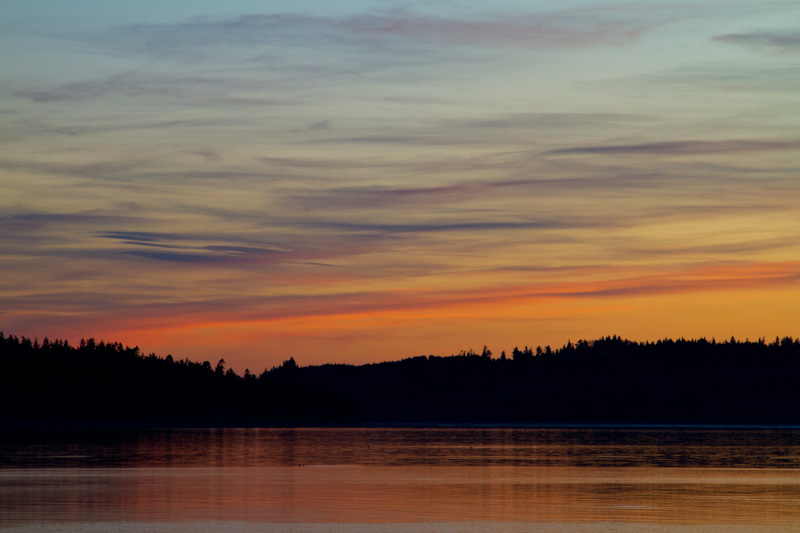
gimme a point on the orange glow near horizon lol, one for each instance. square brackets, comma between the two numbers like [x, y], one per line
[648, 307]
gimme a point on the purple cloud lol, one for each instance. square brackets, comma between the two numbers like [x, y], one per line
[526, 32]
[565, 29]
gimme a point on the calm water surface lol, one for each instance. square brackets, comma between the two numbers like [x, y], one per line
[405, 479]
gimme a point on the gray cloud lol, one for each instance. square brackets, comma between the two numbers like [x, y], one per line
[90, 127]
[182, 248]
[550, 120]
[178, 257]
[131, 172]
[788, 41]
[72, 235]
[672, 286]
[127, 84]
[457, 226]
[683, 147]
[23, 227]
[320, 125]
[138, 236]
[385, 139]
[502, 130]
[759, 79]
[618, 181]
[324, 166]
[373, 197]
[135, 85]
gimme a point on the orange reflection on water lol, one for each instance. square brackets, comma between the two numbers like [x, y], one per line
[364, 494]
[403, 475]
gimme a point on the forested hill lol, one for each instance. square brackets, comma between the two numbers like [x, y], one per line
[606, 381]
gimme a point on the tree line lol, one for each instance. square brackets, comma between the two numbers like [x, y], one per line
[605, 381]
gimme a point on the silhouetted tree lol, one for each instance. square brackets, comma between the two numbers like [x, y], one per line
[608, 380]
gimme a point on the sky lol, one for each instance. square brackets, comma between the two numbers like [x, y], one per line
[358, 181]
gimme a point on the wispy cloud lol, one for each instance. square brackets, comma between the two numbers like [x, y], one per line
[23, 227]
[785, 41]
[757, 79]
[714, 278]
[567, 29]
[152, 85]
[448, 227]
[557, 30]
[684, 147]
[108, 126]
[320, 125]
[551, 120]
[261, 310]
[181, 249]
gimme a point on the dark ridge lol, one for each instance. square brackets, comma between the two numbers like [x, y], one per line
[607, 381]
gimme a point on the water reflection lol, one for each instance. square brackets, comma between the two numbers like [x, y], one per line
[502, 475]
[713, 448]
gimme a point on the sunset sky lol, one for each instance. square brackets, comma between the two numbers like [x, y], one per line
[357, 181]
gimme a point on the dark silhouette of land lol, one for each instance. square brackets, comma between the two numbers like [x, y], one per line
[606, 381]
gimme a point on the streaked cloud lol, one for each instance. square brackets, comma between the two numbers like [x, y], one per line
[552, 30]
[264, 310]
[470, 226]
[203, 90]
[167, 248]
[552, 120]
[563, 29]
[685, 147]
[786, 41]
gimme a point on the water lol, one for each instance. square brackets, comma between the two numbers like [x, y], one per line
[403, 479]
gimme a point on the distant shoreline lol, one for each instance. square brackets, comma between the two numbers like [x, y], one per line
[606, 383]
